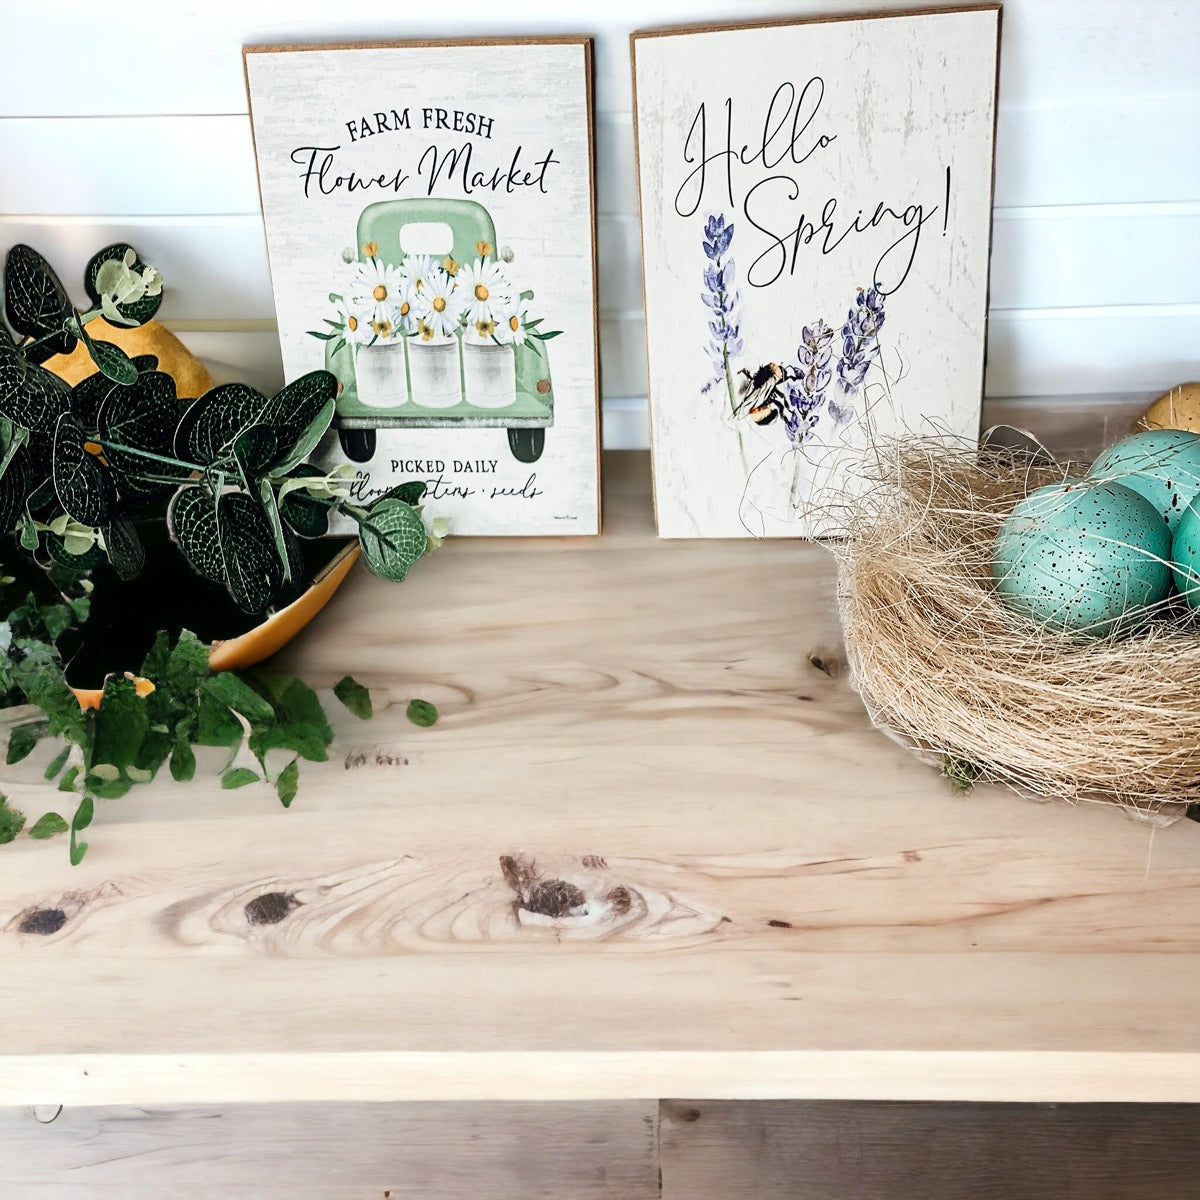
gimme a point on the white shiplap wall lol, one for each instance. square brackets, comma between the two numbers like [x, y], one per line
[130, 123]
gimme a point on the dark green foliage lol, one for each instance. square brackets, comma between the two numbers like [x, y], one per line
[421, 712]
[393, 537]
[12, 821]
[136, 312]
[48, 825]
[127, 740]
[354, 696]
[36, 303]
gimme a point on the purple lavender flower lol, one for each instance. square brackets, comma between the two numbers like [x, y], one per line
[806, 389]
[860, 348]
[719, 296]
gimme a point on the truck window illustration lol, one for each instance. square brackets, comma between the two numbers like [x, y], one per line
[430, 332]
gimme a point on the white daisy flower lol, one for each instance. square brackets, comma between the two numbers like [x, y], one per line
[356, 319]
[377, 285]
[484, 289]
[417, 268]
[438, 306]
[512, 328]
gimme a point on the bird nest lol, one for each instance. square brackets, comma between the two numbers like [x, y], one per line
[982, 692]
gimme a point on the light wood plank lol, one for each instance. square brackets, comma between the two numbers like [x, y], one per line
[775, 898]
[331, 1151]
[773, 1151]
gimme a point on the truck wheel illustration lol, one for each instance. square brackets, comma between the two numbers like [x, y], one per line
[527, 444]
[358, 445]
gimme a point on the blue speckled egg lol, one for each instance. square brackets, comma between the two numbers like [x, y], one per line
[1185, 554]
[1161, 464]
[1083, 556]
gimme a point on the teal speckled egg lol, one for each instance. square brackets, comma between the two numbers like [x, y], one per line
[1185, 554]
[1083, 556]
[1161, 464]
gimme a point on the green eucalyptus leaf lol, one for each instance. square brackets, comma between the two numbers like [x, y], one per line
[112, 361]
[253, 570]
[254, 449]
[300, 722]
[304, 515]
[422, 713]
[12, 370]
[88, 397]
[216, 725]
[67, 782]
[48, 825]
[83, 486]
[183, 762]
[14, 486]
[412, 492]
[137, 422]
[287, 783]
[57, 763]
[354, 696]
[227, 688]
[192, 521]
[12, 821]
[300, 415]
[81, 820]
[239, 777]
[121, 724]
[271, 508]
[132, 312]
[123, 545]
[393, 538]
[216, 419]
[58, 549]
[38, 402]
[23, 739]
[36, 303]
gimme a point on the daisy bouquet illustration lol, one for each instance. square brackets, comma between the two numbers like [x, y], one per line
[431, 328]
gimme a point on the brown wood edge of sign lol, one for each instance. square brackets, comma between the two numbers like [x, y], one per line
[784, 23]
[587, 42]
[827, 19]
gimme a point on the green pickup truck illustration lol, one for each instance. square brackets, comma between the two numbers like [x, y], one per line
[431, 334]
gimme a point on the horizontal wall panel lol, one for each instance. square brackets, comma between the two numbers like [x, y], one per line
[1098, 102]
[192, 60]
[216, 267]
[121, 165]
[213, 268]
[190, 165]
[1088, 257]
[1074, 351]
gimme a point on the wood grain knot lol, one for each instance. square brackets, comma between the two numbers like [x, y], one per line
[43, 921]
[270, 908]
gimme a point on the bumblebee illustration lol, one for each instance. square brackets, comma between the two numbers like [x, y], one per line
[762, 398]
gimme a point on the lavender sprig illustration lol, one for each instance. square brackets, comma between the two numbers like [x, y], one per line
[723, 301]
[860, 348]
[806, 389]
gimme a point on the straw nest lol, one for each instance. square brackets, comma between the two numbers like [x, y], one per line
[986, 694]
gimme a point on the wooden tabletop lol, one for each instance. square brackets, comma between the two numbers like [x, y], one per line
[652, 848]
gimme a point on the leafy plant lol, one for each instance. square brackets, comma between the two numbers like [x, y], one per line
[90, 478]
[126, 741]
[81, 468]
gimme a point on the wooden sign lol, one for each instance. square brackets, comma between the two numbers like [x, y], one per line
[430, 224]
[816, 215]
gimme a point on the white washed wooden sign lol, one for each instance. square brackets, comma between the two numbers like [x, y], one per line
[430, 228]
[816, 213]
